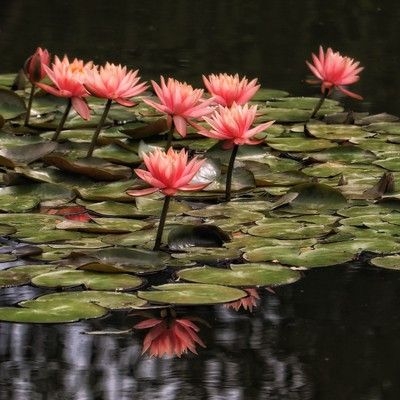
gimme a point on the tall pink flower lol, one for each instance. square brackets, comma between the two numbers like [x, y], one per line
[168, 172]
[114, 82]
[234, 125]
[228, 89]
[180, 102]
[334, 71]
[68, 78]
[34, 65]
[170, 336]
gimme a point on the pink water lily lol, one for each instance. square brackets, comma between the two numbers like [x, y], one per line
[170, 336]
[180, 102]
[168, 172]
[335, 71]
[68, 78]
[114, 82]
[228, 89]
[234, 125]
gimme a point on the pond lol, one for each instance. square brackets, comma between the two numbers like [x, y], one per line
[332, 334]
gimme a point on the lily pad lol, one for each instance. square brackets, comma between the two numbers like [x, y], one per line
[242, 275]
[21, 275]
[11, 105]
[51, 312]
[388, 262]
[191, 294]
[90, 280]
[110, 300]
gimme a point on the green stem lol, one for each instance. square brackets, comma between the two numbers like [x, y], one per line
[28, 111]
[316, 108]
[161, 224]
[229, 173]
[170, 136]
[62, 121]
[98, 129]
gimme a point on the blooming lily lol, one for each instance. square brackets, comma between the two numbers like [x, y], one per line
[114, 83]
[170, 336]
[68, 78]
[228, 89]
[334, 71]
[234, 126]
[34, 70]
[180, 102]
[167, 172]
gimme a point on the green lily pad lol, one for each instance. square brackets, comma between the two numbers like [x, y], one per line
[388, 262]
[11, 105]
[22, 275]
[51, 312]
[299, 144]
[110, 300]
[191, 294]
[92, 167]
[242, 275]
[90, 280]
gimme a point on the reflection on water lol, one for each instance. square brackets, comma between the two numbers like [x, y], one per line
[332, 335]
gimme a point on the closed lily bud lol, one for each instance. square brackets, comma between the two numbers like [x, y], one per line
[34, 65]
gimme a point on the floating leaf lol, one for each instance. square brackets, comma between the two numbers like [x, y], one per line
[11, 105]
[388, 262]
[110, 300]
[243, 275]
[22, 275]
[55, 311]
[191, 294]
[90, 280]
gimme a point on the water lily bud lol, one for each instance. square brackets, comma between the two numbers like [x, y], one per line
[33, 67]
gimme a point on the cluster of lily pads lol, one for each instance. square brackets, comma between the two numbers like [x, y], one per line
[303, 198]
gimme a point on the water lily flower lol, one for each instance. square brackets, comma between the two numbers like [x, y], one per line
[247, 303]
[35, 71]
[228, 89]
[114, 83]
[234, 126]
[167, 172]
[34, 65]
[68, 78]
[335, 71]
[180, 102]
[170, 336]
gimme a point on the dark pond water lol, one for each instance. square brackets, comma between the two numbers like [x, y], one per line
[332, 335]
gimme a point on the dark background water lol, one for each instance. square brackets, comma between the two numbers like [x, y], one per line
[334, 334]
[184, 39]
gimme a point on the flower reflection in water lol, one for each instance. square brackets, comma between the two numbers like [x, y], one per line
[247, 303]
[169, 335]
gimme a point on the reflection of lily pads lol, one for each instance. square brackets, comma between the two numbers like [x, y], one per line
[90, 280]
[191, 294]
[243, 275]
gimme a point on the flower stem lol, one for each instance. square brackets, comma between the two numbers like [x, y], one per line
[316, 108]
[28, 111]
[170, 136]
[229, 173]
[98, 129]
[62, 121]
[161, 224]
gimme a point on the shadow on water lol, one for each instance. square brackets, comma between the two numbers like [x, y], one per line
[333, 334]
